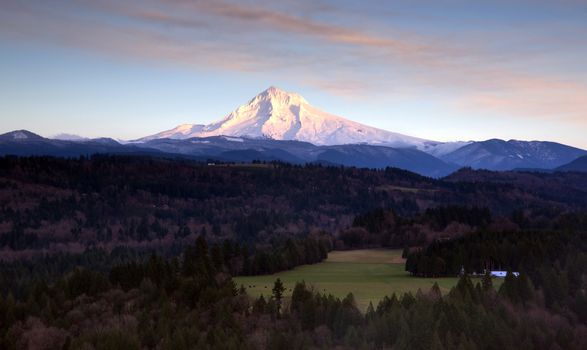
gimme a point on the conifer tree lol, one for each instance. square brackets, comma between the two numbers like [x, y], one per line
[299, 295]
[260, 305]
[278, 290]
[435, 292]
[524, 288]
[370, 313]
[486, 282]
[509, 288]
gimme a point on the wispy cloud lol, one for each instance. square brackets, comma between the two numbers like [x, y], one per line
[322, 44]
[533, 99]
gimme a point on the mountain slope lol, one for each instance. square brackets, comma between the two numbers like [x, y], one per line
[184, 131]
[367, 156]
[233, 149]
[20, 136]
[246, 149]
[506, 155]
[579, 164]
[280, 115]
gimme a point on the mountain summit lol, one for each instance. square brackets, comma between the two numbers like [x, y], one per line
[20, 136]
[281, 115]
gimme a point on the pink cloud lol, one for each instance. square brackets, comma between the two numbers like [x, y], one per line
[291, 42]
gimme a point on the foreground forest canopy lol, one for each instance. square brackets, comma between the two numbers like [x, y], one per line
[193, 303]
[139, 253]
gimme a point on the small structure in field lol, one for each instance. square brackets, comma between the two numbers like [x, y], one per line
[502, 274]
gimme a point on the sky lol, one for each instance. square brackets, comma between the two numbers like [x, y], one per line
[443, 70]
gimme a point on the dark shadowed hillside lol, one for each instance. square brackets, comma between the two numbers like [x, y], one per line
[579, 164]
[69, 204]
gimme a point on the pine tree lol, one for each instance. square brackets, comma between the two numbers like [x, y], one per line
[299, 295]
[486, 282]
[370, 313]
[260, 305]
[435, 292]
[509, 288]
[278, 290]
[524, 288]
[407, 300]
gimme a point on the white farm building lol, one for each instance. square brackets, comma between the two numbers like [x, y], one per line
[502, 274]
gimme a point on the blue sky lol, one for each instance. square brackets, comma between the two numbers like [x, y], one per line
[443, 70]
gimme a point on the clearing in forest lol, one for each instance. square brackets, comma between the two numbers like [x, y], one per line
[369, 274]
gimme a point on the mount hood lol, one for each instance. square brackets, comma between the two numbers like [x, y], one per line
[280, 115]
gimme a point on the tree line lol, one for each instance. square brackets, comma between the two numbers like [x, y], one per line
[554, 261]
[187, 302]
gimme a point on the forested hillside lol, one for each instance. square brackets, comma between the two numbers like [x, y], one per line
[139, 253]
[66, 205]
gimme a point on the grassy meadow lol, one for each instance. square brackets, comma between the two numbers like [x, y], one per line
[369, 274]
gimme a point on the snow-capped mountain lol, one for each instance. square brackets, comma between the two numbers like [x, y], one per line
[277, 125]
[280, 115]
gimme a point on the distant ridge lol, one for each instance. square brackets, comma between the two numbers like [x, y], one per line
[21, 136]
[26, 143]
[69, 137]
[498, 154]
[233, 149]
[579, 164]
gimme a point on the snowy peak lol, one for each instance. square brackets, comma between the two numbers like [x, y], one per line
[20, 135]
[273, 113]
[278, 97]
[282, 115]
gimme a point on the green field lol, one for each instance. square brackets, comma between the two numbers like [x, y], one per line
[368, 274]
